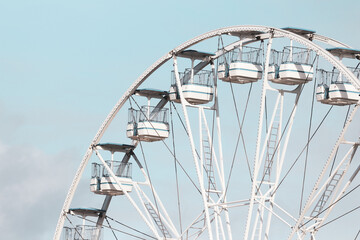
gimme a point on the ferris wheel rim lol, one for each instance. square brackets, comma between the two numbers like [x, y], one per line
[157, 64]
[215, 33]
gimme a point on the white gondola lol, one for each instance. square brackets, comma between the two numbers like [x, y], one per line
[243, 72]
[148, 124]
[295, 67]
[245, 66]
[338, 93]
[344, 93]
[197, 88]
[103, 183]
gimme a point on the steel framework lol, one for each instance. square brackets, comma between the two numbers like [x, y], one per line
[271, 150]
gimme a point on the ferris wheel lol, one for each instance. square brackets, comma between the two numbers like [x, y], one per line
[244, 132]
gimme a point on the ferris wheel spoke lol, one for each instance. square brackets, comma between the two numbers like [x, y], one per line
[208, 157]
[195, 157]
[332, 188]
[315, 191]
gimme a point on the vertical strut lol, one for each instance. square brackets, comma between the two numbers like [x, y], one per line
[222, 174]
[278, 170]
[257, 159]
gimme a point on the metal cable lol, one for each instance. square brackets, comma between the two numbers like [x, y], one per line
[173, 154]
[111, 228]
[242, 123]
[337, 150]
[176, 172]
[182, 122]
[240, 134]
[197, 153]
[147, 170]
[239, 122]
[75, 226]
[356, 67]
[129, 234]
[342, 197]
[357, 235]
[152, 188]
[337, 218]
[278, 144]
[146, 166]
[129, 227]
[307, 147]
[298, 157]
[168, 150]
[286, 125]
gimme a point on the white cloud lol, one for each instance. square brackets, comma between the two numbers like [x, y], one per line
[33, 189]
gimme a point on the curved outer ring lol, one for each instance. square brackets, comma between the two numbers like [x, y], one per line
[235, 29]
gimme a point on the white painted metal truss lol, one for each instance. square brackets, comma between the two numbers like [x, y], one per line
[214, 220]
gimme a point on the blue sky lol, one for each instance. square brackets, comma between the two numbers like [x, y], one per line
[64, 64]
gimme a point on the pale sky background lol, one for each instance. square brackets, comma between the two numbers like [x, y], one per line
[64, 64]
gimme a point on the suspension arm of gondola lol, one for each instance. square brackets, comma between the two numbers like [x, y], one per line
[256, 160]
[147, 181]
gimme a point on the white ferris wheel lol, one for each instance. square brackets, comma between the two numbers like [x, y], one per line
[244, 132]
